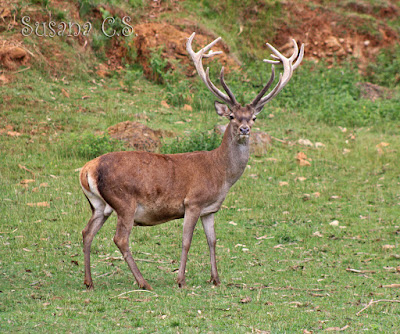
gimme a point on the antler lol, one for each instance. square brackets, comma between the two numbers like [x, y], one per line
[288, 68]
[205, 75]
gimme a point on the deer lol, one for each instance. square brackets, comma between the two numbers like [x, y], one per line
[147, 189]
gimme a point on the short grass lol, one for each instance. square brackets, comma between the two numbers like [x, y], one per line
[299, 248]
[284, 267]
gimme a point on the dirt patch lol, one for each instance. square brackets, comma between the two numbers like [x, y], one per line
[373, 92]
[42, 49]
[153, 36]
[331, 36]
[116, 54]
[136, 135]
[13, 55]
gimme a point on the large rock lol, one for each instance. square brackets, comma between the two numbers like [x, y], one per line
[136, 135]
[260, 143]
[373, 92]
[11, 57]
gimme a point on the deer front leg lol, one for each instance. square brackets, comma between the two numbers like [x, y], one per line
[208, 225]
[189, 223]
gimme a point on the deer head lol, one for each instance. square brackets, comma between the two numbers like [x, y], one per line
[241, 117]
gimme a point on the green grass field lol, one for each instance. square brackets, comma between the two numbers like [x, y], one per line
[300, 249]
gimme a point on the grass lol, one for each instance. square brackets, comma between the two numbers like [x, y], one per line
[297, 271]
[286, 266]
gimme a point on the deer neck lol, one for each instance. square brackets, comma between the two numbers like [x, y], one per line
[233, 155]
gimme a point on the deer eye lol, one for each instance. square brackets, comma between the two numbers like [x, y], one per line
[231, 116]
[254, 119]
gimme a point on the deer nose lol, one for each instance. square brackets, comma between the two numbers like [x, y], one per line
[244, 130]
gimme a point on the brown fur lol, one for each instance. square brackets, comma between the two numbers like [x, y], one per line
[147, 189]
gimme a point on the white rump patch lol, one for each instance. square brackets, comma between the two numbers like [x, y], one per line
[98, 203]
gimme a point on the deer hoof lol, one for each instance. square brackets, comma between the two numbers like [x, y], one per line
[145, 286]
[89, 286]
[182, 285]
[215, 281]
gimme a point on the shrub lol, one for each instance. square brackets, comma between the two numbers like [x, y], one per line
[196, 141]
[385, 71]
[90, 146]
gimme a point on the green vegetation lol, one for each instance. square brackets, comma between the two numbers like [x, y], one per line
[195, 141]
[386, 70]
[90, 146]
[300, 249]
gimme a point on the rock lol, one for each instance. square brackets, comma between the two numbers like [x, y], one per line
[102, 71]
[136, 135]
[187, 107]
[333, 43]
[11, 57]
[260, 143]
[373, 92]
[305, 142]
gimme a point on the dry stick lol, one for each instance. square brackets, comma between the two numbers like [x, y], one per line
[280, 140]
[110, 273]
[10, 231]
[28, 170]
[124, 293]
[377, 301]
[24, 69]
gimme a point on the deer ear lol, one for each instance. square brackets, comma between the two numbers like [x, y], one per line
[222, 109]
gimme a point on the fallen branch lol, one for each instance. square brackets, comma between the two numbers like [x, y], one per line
[124, 293]
[106, 274]
[360, 271]
[377, 301]
[28, 170]
[391, 286]
[280, 140]
[24, 69]
[10, 231]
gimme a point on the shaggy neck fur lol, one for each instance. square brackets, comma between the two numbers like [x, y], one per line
[234, 153]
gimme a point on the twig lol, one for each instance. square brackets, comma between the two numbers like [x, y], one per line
[24, 69]
[106, 274]
[280, 140]
[28, 170]
[124, 293]
[377, 301]
[152, 261]
[30, 52]
[10, 231]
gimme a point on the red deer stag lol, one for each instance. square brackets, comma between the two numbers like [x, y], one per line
[147, 189]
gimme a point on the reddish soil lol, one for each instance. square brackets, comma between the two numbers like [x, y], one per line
[152, 36]
[329, 36]
[136, 135]
[13, 55]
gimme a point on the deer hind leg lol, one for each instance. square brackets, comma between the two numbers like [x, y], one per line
[100, 212]
[121, 239]
[208, 224]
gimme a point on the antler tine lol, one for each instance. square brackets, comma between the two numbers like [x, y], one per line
[266, 87]
[204, 75]
[299, 58]
[288, 68]
[225, 86]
